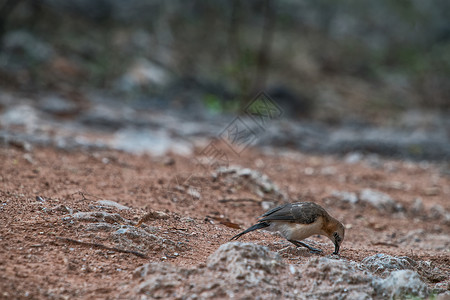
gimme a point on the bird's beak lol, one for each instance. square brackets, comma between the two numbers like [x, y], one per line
[336, 248]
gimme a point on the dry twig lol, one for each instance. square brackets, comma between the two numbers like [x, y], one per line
[100, 246]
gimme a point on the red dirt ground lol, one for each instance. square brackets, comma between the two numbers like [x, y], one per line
[35, 263]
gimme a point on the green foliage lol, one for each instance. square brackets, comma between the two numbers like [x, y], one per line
[212, 103]
[216, 105]
[316, 44]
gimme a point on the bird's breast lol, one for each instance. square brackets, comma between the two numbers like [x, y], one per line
[296, 231]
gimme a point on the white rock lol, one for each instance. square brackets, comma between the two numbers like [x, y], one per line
[260, 182]
[97, 216]
[418, 209]
[292, 269]
[344, 196]
[337, 271]
[358, 295]
[157, 143]
[14, 116]
[379, 200]
[101, 226]
[384, 264]
[246, 261]
[400, 284]
[328, 171]
[192, 191]
[438, 212]
[143, 73]
[114, 204]
[353, 157]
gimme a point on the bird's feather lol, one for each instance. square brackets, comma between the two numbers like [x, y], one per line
[252, 228]
[301, 212]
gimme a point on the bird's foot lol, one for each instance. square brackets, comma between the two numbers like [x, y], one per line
[301, 244]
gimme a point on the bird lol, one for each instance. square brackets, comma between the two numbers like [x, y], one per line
[298, 221]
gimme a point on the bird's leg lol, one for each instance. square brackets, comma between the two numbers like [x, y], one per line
[298, 244]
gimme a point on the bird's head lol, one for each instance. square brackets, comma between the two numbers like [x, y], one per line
[338, 236]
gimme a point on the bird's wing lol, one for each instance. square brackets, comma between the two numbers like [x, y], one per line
[273, 210]
[301, 212]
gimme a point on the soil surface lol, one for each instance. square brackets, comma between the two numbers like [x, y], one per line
[58, 239]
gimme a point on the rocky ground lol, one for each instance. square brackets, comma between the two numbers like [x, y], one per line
[110, 224]
[117, 179]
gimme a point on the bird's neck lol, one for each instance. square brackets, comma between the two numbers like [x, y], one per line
[329, 226]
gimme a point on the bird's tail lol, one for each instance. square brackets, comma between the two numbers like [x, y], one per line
[254, 227]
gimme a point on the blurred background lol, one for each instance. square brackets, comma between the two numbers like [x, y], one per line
[350, 76]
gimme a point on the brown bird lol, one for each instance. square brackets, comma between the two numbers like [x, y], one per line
[297, 221]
